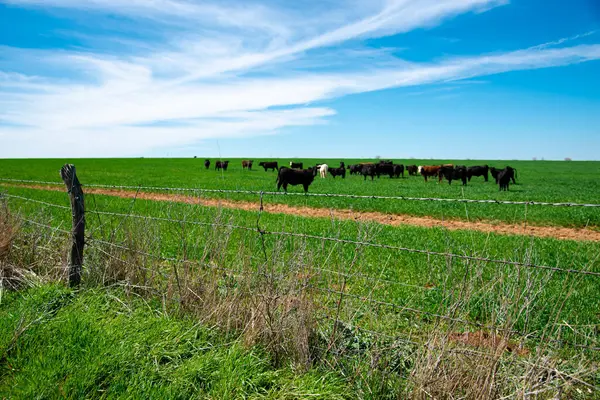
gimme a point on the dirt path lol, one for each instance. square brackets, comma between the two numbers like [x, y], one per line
[367, 216]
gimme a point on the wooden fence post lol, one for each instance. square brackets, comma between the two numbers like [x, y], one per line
[69, 177]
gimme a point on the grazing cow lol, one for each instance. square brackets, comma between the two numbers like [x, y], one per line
[479, 170]
[504, 177]
[221, 165]
[496, 171]
[354, 169]
[429, 170]
[368, 170]
[287, 176]
[323, 168]
[207, 163]
[456, 173]
[384, 168]
[247, 164]
[296, 165]
[341, 171]
[269, 165]
[398, 170]
[413, 170]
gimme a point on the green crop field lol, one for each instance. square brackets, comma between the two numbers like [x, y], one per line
[530, 287]
[543, 181]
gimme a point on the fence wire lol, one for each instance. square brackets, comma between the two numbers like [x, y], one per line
[324, 238]
[331, 195]
[398, 307]
[90, 241]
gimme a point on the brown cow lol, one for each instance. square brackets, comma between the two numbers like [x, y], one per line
[429, 170]
[247, 164]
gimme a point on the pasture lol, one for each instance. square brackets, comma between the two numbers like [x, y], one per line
[379, 285]
[543, 181]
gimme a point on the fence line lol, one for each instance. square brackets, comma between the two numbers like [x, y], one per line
[399, 307]
[331, 195]
[330, 239]
[346, 275]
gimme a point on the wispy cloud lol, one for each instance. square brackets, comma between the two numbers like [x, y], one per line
[226, 73]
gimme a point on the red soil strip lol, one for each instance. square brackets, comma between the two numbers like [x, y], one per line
[485, 340]
[501, 228]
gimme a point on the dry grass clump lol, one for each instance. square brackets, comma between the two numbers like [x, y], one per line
[8, 230]
[222, 280]
[495, 362]
[9, 275]
[267, 304]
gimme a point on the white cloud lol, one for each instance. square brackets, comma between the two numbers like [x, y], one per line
[226, 77]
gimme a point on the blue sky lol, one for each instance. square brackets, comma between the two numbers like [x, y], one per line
[478, 79]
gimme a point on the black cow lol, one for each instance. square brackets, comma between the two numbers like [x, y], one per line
[479, 170]
[413, 170]
[496, 171]
[341, 171]
[296, 165]
[453, 173]
[368, 170]
[384, 168]
[354, 169]
[504, 178]
[221, 165]
[398, 170]
[287, 176]
[269, 165]
[207, 164]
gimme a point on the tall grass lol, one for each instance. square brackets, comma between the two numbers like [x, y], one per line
[276, 293]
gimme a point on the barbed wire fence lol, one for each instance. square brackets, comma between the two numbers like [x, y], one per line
[330, 195]
[341, 294]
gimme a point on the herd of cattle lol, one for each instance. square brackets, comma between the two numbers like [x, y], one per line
[295, 174]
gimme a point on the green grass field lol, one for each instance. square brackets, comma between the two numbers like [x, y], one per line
[57, 344]
[386, 292]
[414, 270]
[536, 181]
